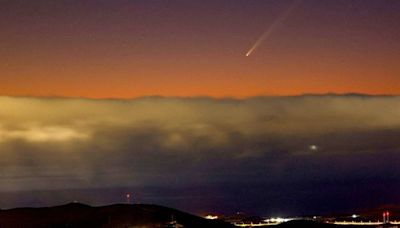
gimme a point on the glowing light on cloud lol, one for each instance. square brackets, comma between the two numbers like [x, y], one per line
[43, 134]
[273, 27]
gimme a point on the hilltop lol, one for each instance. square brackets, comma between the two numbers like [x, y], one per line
[118, 215]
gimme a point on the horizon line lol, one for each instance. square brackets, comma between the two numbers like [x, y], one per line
[349, 94]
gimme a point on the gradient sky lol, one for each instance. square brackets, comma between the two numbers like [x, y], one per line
[125, 49]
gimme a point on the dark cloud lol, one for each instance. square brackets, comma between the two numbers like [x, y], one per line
[262, 142]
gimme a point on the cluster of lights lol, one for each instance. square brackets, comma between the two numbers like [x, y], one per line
[277, 220]
[212, 217]
[384, 221]
[386, 217]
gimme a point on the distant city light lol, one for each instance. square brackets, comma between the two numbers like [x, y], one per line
[277, 220]
[212, 217]
[354, 216]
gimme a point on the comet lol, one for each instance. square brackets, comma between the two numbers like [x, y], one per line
[276, 23]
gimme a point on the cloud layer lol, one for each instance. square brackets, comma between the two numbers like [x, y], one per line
[58, 143]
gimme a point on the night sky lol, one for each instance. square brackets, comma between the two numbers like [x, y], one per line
[268, 107]
[125, 49]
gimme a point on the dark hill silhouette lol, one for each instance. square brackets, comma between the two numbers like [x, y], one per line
[118, 215]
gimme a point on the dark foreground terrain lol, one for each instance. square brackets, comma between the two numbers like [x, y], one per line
[119, 215]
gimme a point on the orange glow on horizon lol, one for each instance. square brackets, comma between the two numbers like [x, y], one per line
[133, 53]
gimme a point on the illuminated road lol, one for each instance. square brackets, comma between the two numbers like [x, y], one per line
[361, 223]
[255, 224]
